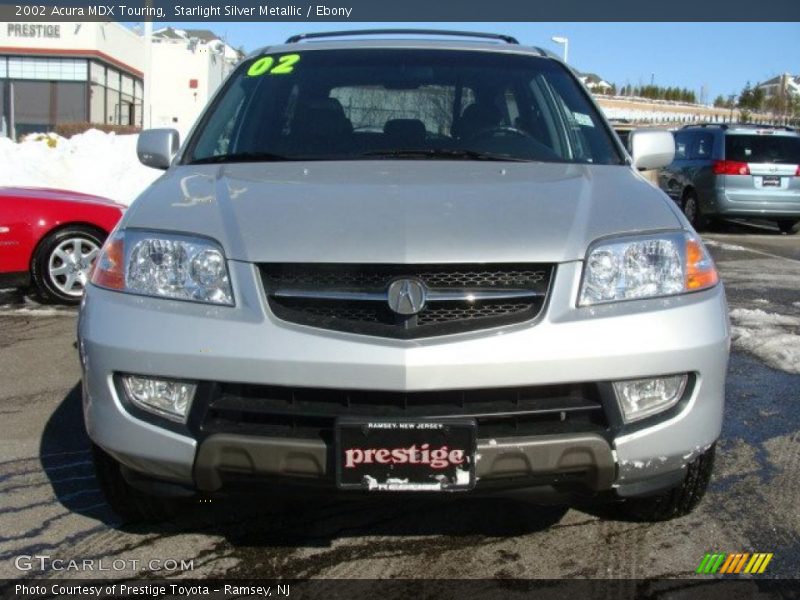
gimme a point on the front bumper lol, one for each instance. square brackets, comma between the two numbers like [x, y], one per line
[246, 344]
[588, 456]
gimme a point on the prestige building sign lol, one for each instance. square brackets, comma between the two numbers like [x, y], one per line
[33, 30]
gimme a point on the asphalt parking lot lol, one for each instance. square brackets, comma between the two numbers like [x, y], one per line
[50, 504]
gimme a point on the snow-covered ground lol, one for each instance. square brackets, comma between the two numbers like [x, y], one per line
[772, 337]
[94, 162]
[762, 287]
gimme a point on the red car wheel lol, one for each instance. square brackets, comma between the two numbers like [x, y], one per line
[63, 261]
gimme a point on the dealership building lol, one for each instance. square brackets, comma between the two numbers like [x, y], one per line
[58, 73]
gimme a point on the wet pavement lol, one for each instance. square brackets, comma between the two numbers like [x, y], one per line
[50, 504]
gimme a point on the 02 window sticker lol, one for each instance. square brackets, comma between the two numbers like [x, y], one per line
[267, 64]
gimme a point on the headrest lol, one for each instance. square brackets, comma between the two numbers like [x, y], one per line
[321, 117]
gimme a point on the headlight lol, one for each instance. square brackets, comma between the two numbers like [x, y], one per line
[165, 265]
[645, 267]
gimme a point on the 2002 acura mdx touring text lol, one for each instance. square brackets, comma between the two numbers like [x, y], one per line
[410, 265]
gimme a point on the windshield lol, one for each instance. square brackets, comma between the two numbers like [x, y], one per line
[763, 148]
[416, 104]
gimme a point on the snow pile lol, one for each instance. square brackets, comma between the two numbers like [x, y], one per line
[773, 338]
[104, 164]
[724, 246]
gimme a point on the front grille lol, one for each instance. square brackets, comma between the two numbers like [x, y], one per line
[466, 312]
[354, 298]
[279, 411]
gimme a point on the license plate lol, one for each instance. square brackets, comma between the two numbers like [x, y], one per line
[771, 181]
[405, 455]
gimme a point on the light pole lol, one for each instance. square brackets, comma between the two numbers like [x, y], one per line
[147, 115]
[562, 40]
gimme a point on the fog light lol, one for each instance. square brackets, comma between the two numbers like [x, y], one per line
[640, 398]
[166, 397]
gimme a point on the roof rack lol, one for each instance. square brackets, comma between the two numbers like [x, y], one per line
[720, 125]
[741, 126]
[325, 34]
[546, 53]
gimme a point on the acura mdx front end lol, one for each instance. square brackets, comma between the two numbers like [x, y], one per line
[404, 266]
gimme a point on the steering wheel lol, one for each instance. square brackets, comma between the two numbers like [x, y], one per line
[499, 130]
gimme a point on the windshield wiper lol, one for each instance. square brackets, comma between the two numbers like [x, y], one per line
[240, 157]
[444, 153]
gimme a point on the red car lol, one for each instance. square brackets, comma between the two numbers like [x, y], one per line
[50, 238]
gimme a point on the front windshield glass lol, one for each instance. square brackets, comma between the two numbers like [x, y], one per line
[396, 103]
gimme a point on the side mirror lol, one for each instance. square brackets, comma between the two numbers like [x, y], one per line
[157, 147]
[651, 148]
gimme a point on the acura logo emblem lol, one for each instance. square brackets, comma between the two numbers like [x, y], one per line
[406, 296]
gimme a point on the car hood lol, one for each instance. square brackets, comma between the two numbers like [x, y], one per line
[402, 211]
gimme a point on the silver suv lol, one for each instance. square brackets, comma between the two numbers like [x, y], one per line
[736, 171]
[404, 266]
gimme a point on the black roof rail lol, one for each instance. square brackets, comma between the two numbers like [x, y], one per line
[546, 53]
[705, 124]
[763, 126]
[741, 126]
[354, 32]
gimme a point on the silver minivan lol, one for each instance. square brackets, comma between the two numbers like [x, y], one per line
[737, 170]
[418, 265]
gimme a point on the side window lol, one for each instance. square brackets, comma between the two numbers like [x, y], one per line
[703, 146]
[682, 140]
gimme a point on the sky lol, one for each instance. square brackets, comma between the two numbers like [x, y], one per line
[721, 56]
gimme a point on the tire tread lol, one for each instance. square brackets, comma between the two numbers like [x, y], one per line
[679, 501]
[130, 504]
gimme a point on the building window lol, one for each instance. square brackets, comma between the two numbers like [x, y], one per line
[112, 107]
[97, 73]
[32, 109]
[70, 102]
[4, 124]
[54, 91]
[138, 96]
[127, 85]
[51, 69]
[97, 103]
[126, 110]
[112, 79]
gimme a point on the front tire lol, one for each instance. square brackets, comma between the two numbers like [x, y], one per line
[679, 501]
[130, 504]
[62, 263]
[788, 226]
